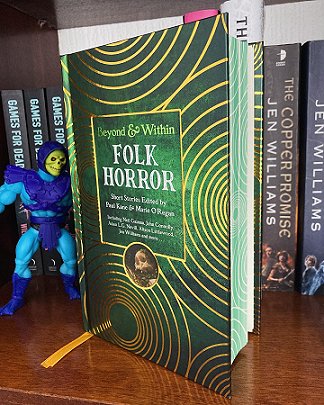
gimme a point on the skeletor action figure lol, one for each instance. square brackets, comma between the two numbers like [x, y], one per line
[46, 194]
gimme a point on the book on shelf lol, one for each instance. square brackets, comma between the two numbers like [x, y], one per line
[310, 260]
[150, 141]
[19, 155]
[54, 98]
[257, 125]
[246, 19]
[55, 114]
[280, 165]
[36, 119]
[38, 133]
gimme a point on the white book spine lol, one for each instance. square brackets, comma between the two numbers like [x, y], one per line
[78, 39]
[246, 18]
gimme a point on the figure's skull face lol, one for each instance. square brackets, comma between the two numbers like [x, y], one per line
[55, 162]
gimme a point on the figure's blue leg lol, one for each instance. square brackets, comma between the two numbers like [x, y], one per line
[67, 249]
[25, 249]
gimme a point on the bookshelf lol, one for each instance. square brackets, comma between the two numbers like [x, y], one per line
[281, 366]
[97, 372]
[29, 58]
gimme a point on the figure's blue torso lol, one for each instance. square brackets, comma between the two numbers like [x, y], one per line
[65, 203]
[47, 198]
[8, 193]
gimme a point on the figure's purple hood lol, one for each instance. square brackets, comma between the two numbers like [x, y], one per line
[46, 149]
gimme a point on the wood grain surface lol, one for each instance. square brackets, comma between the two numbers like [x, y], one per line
[284, 365]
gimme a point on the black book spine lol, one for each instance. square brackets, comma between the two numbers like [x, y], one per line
[19, 155]
[280, 166]
[310, 260]
[55, 114]
[38, 133]
[57, 128]
[36, 121]
[57, 132]
[57, 125]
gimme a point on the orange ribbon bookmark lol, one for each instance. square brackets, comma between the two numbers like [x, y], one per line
[59, 354]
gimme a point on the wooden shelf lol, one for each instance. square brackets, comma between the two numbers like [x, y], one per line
[281, 366]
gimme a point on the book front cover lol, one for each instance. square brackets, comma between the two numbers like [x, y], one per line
[148, 130]
[138, 183]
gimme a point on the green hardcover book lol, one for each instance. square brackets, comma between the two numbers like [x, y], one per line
[151, 124]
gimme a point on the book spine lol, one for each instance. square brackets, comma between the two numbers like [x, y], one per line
[310, 261]
[19, 155]
[37, 135]
[246, 24]
[258, 144]
[36, 122]
[280, 165]
[54, 97]
[38, 132]
[245, 19]
[238, 141]
[55, 114]
[57, 128]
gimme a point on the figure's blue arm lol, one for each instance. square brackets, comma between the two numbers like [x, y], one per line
[67, 201]
[8, 194]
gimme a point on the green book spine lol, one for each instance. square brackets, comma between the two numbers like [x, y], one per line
[148, 138]
[238, 193]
